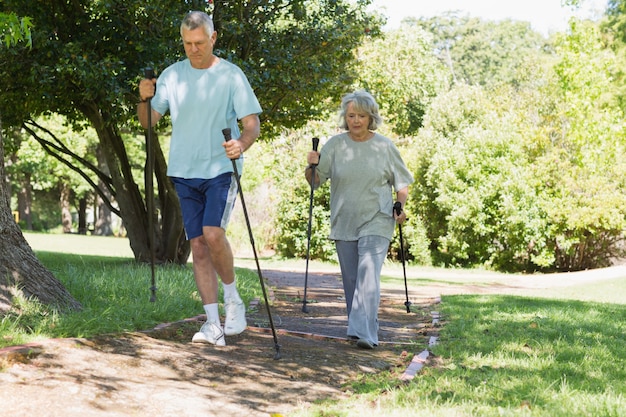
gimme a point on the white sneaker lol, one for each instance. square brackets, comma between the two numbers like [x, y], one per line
[235, 322]
[210, 333]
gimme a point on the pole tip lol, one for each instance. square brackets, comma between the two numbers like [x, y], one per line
[277, 354]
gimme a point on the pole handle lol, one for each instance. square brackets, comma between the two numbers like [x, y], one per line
[148, 73]
[227, 134]
[397, 207]
[316, 142]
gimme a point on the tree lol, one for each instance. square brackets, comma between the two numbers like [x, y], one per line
[584, 195]
[614, 27]
[528, 178]
[33, 167]
[88, 57]
[482, 52]
[404, 75]
[20, 270]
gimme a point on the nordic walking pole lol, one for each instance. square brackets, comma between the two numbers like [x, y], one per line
[149, 74]
[398, 209]
[316, 142]
[227, 137]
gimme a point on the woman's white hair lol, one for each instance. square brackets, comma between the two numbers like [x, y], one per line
[362, 101]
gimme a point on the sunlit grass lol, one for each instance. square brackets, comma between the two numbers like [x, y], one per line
[115, 296]
[506, 355]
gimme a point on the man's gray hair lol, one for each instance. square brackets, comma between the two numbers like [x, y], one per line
[196, 19]
[362, 101]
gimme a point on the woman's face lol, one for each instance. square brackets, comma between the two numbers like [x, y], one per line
[357, 121]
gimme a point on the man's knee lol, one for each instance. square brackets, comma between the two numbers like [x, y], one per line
[214, 236]
[198, 246]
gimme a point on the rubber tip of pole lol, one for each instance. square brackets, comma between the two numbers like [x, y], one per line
[305, 309]
[277, 354]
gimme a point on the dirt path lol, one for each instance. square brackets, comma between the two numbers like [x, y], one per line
[160, 373]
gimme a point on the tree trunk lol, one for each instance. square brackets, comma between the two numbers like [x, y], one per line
[20, 270]
[102, 226]
[171, 244]
[176, 246]
[82, 216]
[66, 212]
[24, 201]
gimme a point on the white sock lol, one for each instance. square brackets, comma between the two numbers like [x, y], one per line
[230, 292]
[212, 313]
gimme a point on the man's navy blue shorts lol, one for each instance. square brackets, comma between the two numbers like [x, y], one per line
[206, 202]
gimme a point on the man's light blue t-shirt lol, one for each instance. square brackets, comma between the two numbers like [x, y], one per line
[201, 103]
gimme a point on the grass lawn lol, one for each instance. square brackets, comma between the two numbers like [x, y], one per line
[544, 350]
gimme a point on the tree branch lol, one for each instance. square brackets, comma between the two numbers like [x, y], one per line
[61, 149]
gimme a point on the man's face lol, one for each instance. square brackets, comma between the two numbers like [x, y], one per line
[199, 47]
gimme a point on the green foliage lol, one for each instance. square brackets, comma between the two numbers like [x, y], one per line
[528, 178]
[470, 183]
[37, 165]
[416, 242]
[404, 75]
[14, 29]
[586, 203]
[293, 230]
[298, 55]
[522, 171]
[45, 211]
[295, 53]
[295, 195]
[88, 57]
[482, 52]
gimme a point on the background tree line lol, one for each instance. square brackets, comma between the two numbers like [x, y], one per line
[516, 140]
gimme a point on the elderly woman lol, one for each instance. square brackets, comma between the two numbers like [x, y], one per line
[364, 168]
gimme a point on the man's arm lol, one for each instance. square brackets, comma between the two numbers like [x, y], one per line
[251, 131]
[142, 114]
[146, 92]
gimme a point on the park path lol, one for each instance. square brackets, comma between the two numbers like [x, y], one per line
[159, 373]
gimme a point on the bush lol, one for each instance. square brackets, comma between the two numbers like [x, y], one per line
[292, 219]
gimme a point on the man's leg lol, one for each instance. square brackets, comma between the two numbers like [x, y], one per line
[220, 253]
[204, 271]
[206, 282]
[221, 256]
